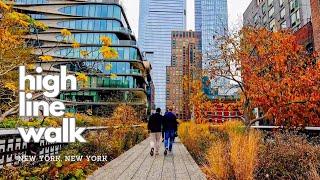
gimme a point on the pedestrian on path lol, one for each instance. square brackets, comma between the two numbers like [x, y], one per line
[155, 127]
[170, 127]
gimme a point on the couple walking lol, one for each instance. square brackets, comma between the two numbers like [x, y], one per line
[165, 126]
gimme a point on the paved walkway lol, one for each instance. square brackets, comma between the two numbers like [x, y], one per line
[137, 164]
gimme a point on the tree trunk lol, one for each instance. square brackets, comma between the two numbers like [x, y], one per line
[14, 109]
[9, 112]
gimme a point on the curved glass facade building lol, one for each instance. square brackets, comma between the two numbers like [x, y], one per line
[88, 21]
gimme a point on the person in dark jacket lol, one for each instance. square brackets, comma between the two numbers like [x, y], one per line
[155, 127]
[170, 126]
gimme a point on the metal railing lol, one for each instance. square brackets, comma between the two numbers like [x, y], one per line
[12, 147]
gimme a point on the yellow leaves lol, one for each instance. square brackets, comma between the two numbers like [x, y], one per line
[40, 25]
[65, 32]
[10, 85]
[124, 114]
[82, 77]
[31, 66]
[113, 76]
[69, 115]
[46, 58]
[21, 19]
[108, 53]
[108, 67]
[14, 52]
[84, 53]
[75, 45]
[106, 40]
[4, 6]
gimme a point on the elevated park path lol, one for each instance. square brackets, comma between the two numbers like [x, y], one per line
[137, 164]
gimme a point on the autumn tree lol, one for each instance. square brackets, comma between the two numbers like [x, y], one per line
[273, 73]
[14, 52]
[200, 104]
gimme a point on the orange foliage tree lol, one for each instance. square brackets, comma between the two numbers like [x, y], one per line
[200, 105]
[273, 73]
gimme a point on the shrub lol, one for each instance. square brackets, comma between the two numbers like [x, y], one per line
[288, 156]
[226, 152]
[235, 158]
[218, 165]
[231, 152]
[115, 141]
[244, 150]
[229, 127]
[197, 139]
[123, 115]
[14, 122]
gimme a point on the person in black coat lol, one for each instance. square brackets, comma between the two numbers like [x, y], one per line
[155, 128]
[170, 127]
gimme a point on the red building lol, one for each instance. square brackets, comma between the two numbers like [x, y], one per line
[221, 114]
[305, 36]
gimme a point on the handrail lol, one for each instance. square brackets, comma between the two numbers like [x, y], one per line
[12, 145]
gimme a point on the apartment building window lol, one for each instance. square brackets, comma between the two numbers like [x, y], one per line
[174, 60]
[264, 8]
[283, 25]
[293, 5]
[281, 3]
[270, 2]
[271, 12]
[174, 44]
[272, 25]
[259, 1]
[295, 18]
[265, 19]
[255, 19]
[283, 13]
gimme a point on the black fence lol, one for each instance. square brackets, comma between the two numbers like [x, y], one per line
[12, 147]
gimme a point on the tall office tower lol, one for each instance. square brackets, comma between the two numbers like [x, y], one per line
[110, 82]
[185, 63]
[211, 19]
[278, 14]
[157, 19]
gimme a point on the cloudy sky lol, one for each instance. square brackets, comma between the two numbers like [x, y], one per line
[235, 10]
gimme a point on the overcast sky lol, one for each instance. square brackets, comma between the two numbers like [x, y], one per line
[235, 10]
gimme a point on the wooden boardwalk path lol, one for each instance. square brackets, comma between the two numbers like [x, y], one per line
[137, 164]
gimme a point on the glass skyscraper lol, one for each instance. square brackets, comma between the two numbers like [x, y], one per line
[211, 19]
[158, 18]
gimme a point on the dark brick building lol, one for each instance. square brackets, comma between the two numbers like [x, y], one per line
[305, 36]
[185, 62]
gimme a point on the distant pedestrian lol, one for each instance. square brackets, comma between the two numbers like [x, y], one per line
[155, 127]
[170, 126]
